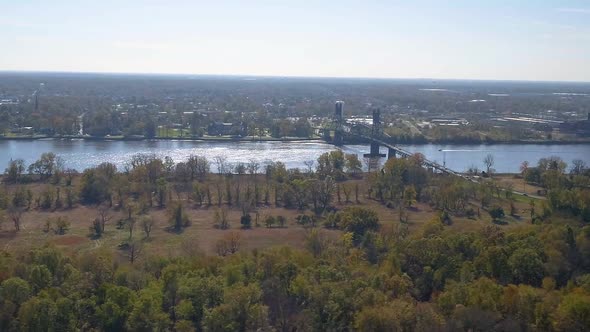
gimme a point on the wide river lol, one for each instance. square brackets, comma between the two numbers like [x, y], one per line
[81, 154]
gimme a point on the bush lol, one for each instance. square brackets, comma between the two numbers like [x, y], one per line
[269, 221]
[246, 221]
[497, 212]
[59, 226]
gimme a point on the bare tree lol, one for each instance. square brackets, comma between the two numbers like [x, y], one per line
[221, 164]
[198, 167]
[104, 216]
[131, 225]
[489, 162]
[240, 168]
[134, 250]
[233, 240]
[229, 244]
[309, 164]
[578, 167]
[15, 214]
[253, 166]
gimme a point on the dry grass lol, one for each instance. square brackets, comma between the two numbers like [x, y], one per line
[202, 235]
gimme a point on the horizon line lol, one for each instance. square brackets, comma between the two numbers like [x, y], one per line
[33, 71]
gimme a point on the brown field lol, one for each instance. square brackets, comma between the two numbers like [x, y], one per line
[202, 235]
[517, 183]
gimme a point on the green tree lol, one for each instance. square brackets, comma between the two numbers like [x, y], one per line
[116, 307]
[397, 315]
[178, 217]
[358, 221]
[94, 187]
[526, 266]
[14, 171]
[410, 195]
[15, 290]
[37, 314]
[147, 314]
[353, 164]
[242, 310]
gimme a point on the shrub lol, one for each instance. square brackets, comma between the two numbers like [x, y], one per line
[497, 212]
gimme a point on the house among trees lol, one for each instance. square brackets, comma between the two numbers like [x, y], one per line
[226, 128]
[580, 128]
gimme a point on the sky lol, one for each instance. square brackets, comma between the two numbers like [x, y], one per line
[455, 39]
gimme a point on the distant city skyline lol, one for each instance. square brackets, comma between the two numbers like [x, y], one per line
[480, 40]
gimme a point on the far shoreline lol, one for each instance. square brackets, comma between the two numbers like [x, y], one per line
[284, 139]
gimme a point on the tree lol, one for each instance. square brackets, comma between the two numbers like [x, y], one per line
[47, 165]
[199, 166]
[62, 225]
[133, 250]
[358, 221]
[14, 171]
[524, 169]
[242, 310]
[253, 166]
[331, 164]
[229, 244]
[246, 221]
[222, 165]
[15, 214]
[116, 307]
[281, 221]
[410, 195]
[177, 217]
[314, 242]
[96, 229]
[526, 267]
[240, 169]
[37, 314]
[161, 191]
[488, 162]
[578, 167]
[104, 216]
[147, 314]
[94, 187]
[309, 166]
[394, 316]
[131, 226]
[573, 313]
[497, 212]
[353, 164]
[220, 217]
[147, 223]
[15, 290]
[269, 221]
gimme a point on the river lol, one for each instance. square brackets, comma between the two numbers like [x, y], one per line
[81, 154]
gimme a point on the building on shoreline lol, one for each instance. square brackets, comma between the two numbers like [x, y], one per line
[580, 128]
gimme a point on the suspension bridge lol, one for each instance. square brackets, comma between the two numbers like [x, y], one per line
[337, 129]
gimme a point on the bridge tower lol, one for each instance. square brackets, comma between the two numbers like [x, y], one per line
[339, 120]
[391, 153]
[376, 133]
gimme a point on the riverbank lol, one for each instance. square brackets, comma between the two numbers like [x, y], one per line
[140, 138]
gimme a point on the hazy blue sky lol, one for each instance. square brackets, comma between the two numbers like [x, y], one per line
[477, 39]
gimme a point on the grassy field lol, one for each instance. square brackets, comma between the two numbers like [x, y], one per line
[202, 235]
